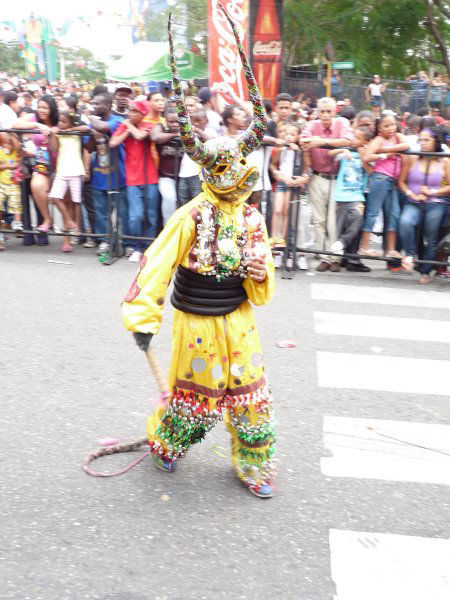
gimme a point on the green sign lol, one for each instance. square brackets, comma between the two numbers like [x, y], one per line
[343, 65]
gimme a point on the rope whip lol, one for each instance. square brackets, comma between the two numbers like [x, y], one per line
[163, 387]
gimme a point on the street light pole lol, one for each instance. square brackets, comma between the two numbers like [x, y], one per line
[328, 79]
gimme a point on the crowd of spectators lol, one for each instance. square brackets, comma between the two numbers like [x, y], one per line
[88, 153]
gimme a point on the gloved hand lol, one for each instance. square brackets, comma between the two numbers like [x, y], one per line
[142, 340]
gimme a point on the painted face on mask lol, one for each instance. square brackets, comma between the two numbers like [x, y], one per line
[231, 176]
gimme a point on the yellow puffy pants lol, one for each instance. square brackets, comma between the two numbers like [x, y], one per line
[217, 370]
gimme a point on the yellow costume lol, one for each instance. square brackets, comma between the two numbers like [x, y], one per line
[216, 361]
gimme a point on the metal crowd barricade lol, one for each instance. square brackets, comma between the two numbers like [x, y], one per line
[289, 265]
[115, 236]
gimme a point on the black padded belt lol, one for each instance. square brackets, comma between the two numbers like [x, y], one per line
[204, 295]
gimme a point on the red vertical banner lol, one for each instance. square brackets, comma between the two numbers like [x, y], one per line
[224, 62]
[267, 46]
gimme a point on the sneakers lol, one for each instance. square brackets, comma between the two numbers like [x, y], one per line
[264, 490]
[129, 251]
[357, 267]
[277, 261]
[103, 247]
[75, 240]
[408, 263]
[337, 247]
[135, 257]
[89, 243]
[17, 226]
[302, 263]
[164, 465]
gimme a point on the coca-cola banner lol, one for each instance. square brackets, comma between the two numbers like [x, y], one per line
[224, 62]
[265, 27]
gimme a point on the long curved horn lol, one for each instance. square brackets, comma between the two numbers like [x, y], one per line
[254, 134]
[193, 146]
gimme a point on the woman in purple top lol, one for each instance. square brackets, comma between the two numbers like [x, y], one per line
[425, 181]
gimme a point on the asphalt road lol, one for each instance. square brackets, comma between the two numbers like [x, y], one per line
[71, 375]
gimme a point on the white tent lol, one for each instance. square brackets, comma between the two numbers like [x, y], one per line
[136, 61]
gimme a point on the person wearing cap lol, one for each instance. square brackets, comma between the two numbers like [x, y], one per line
[141, 175]
[339, 106]
[122, 96]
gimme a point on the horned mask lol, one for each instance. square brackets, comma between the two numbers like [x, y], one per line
[223, 160]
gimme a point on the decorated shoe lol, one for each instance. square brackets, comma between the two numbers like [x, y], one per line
[265, 490]
[164, 465]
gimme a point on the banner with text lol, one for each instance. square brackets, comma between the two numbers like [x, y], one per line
[225, 65]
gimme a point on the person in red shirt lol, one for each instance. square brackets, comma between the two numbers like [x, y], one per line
[141, 175]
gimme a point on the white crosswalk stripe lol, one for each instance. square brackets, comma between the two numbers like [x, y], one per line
[388, 566]
[384, 373]
[377, 566]
[388, 450]
[380, 295]
[400, 328]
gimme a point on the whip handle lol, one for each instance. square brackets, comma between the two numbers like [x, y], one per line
[158, 374]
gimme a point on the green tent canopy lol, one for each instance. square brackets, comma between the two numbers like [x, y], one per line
[149, 61]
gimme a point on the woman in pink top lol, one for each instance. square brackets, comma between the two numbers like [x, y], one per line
[383, 150]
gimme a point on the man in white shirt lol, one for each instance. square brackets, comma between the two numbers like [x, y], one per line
[189, 182]
[214, 120]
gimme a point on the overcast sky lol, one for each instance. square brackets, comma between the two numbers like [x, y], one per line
[96, 37]
[18, 9]
[94, 34]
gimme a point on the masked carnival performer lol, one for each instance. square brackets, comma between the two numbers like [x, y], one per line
[217, 246]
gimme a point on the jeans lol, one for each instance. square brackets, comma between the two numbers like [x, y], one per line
[383, 194]
[143, 204]
[188, 189]
[100, 200]
[433, 216]
[168, 190]
[416, 104]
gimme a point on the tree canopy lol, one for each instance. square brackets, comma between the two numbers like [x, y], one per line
[393, 39]
[11, 58]
[190, 20]
[81, 65]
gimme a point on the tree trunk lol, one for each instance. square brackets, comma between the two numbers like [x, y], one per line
[437, 34]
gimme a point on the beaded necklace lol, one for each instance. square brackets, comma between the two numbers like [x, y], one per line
[225, 249]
